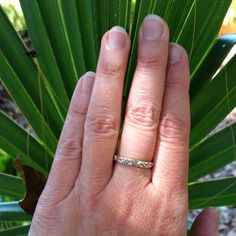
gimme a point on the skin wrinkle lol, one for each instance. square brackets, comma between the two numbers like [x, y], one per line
[100, 123]
[93, 196]
[173, 129]
[150, 61]
[108, 69]
[72, 146]
[144, 116]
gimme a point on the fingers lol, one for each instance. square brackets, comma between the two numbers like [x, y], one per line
[103, 118]
[68, 156]
[171, 165]
[206, 223]
[143, 109]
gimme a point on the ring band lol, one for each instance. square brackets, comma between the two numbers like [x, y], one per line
[132, 162]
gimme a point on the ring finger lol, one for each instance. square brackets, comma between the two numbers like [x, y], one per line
[143, 109]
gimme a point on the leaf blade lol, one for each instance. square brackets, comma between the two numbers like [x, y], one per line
[216, 193]
[213, 153]
[11, 186]
[11, 211]
[44, 51]
[16, 231]
[30, 150]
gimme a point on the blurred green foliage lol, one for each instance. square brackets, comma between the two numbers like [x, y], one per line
[6, 163]
[18, 21]
[14, 15]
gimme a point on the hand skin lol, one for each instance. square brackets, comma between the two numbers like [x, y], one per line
[87, 194]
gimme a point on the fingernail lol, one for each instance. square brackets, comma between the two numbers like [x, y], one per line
[87, 83]
[152, 27]
[174, 54]
[117, 38]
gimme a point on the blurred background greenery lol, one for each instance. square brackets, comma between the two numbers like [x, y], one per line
[14, 12]
[6, 163]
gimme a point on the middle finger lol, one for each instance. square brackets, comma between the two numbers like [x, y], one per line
[143, 109]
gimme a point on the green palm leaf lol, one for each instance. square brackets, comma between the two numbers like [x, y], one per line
[24, 76]
[11, 186]
[212, 193]
[209, 104]
[66, 36]
[213, 153]
[16, 231]
[12, 212]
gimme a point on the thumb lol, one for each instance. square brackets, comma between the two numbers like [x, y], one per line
[206, 224]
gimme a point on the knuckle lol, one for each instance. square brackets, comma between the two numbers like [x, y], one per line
[76, 111]
[175, 81]
[173, 128]
[102, 124]
[152, 56]
[110, 69]
[110, 65]
[70, 147]
[144, 115]
[150, 61]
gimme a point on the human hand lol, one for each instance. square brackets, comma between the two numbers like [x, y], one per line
[86, 192]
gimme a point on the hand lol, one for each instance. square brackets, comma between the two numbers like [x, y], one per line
[86, 192]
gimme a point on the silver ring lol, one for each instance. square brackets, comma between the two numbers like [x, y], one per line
[132, 162]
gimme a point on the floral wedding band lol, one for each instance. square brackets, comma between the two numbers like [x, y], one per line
[132, 162]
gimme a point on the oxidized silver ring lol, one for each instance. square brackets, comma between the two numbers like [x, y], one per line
[132, 162]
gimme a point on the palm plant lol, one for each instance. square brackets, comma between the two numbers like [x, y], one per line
[66, 37]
